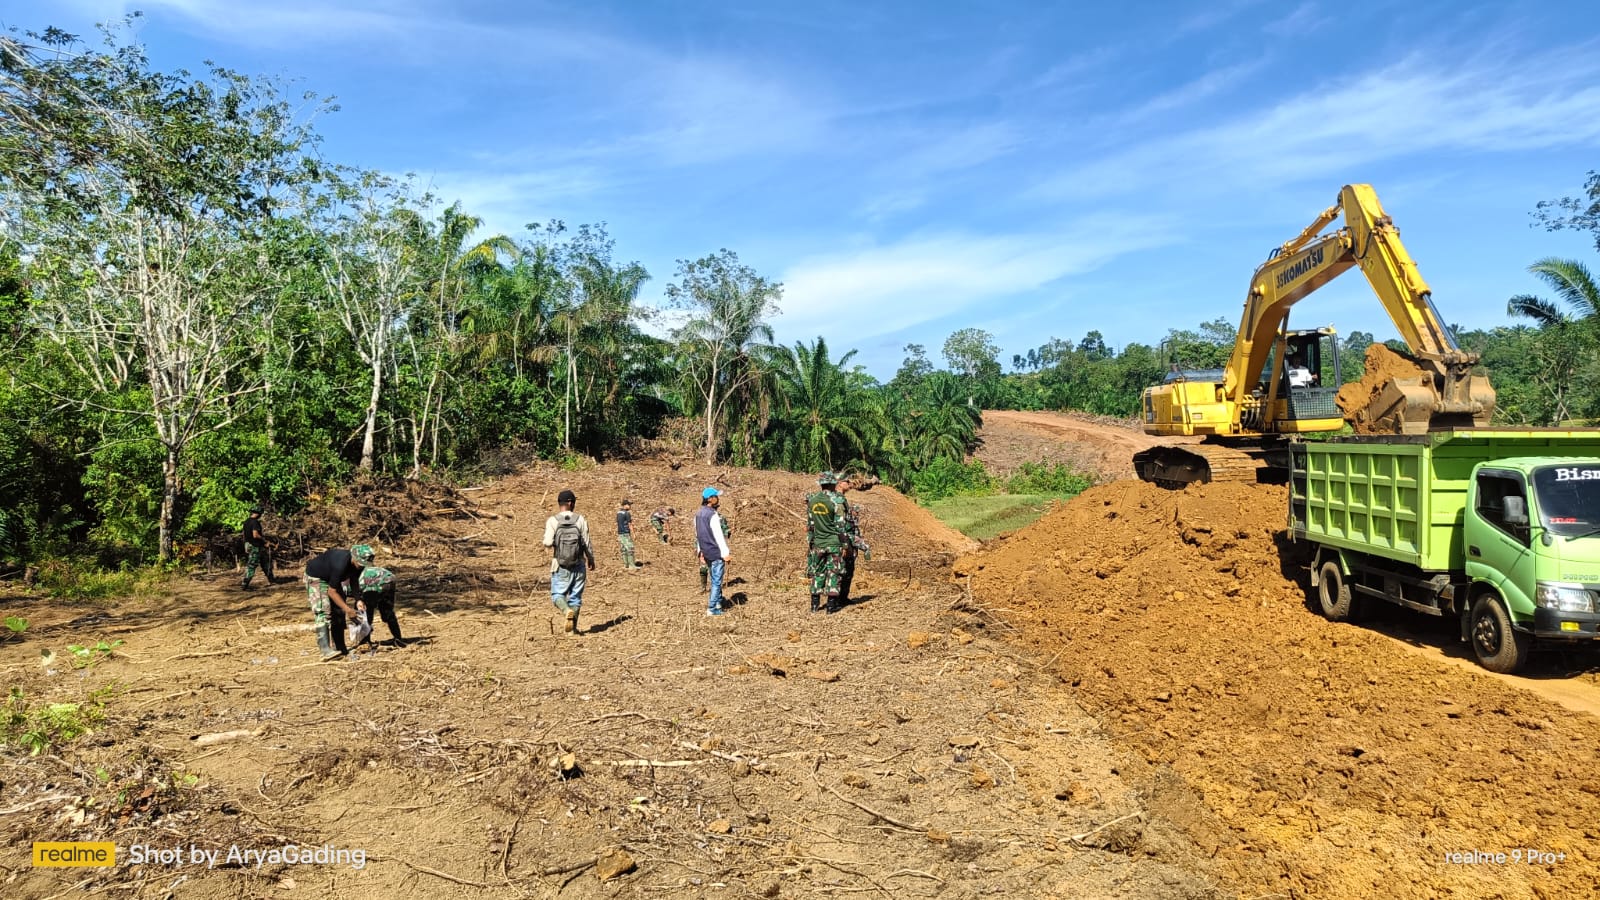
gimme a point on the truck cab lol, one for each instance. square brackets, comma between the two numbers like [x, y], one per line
[1531, 532]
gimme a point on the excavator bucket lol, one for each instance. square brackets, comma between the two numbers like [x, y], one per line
[1404, 394]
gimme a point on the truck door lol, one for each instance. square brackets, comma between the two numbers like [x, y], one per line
[1499, 547]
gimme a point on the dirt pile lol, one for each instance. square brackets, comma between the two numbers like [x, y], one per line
[1340, 765]
[1383, 366]
[393, 512]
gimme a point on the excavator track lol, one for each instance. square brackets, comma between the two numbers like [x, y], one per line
[1178, 465]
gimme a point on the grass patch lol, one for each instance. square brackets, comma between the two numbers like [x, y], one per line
[985, 517]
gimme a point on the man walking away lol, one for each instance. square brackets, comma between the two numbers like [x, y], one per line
[625, 535]
[571, 556]
[826, 531]
[377, 592]
[255, 548]
[713, 545]
[328, 578]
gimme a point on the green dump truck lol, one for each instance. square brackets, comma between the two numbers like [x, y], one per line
[1499, 528]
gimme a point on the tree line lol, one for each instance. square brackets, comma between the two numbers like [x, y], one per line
[202, 312]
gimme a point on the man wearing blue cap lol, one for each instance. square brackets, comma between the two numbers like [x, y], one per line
[713, 546]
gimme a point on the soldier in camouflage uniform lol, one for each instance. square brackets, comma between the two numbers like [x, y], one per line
[255, 548]
[826, 530]
[376, 587]
[705, 570]
[853, 544]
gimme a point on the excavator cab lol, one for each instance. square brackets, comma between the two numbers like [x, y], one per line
[1298, 395]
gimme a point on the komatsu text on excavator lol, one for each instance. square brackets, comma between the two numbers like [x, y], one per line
[1271, 387]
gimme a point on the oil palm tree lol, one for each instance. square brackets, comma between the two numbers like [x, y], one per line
[821, 419]
[1573, 286]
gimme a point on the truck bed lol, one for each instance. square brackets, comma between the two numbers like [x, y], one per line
[1401, 497]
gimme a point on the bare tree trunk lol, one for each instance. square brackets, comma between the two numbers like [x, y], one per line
[711, 419]
[368, 440]
[169, 502]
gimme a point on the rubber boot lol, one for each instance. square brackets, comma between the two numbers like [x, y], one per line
[816, 602]
[571, 626]
[325, 643]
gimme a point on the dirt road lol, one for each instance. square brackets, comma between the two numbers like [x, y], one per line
[1101, 446]
[902, 747]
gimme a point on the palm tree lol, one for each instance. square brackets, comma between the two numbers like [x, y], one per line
[1561, 346]
[821, 419]
[943, 424]
[1573, 286]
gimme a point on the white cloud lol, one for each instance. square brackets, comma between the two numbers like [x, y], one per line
[1412, 107]
[884, 289]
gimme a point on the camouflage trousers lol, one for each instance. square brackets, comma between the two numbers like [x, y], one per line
[329, 616]
[252, 560]
[825, 568]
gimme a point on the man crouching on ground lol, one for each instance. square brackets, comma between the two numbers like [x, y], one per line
[571, 556]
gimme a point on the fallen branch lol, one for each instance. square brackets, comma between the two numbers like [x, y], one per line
[906, 826]
[915, 873]
[1080, 838]
[206, 740]
[39, 802]
[653, 763]
[198, 655]
[445, 875]
[574, 867]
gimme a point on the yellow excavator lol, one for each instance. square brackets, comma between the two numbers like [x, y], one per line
[1271, 388]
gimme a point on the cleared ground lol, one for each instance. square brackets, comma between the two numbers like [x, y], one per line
[903, 747]
[1129, 698]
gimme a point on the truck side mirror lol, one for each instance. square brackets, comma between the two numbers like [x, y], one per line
[1516, 511]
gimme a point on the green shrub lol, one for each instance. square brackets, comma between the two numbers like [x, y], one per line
[946, 477]
[1045, 478]
[38, 728]
[75, 579]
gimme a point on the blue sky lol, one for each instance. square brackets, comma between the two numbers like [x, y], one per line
[907, 169]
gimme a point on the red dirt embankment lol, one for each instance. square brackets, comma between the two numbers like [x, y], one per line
[1339, 764]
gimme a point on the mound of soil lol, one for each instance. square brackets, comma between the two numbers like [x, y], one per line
[394, 513]
[1338, 764]
[1383, 366]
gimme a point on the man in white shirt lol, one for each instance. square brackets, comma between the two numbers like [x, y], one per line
[571, 556]
[1299, 375]
[713, 546]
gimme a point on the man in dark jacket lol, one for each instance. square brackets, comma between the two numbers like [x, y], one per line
[255, 548]
[712, 543]
[329, 577]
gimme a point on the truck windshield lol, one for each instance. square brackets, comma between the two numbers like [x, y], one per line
[1569, 498]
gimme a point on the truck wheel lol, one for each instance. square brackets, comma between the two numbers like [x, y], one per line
[1333, 594]
[1498, 646]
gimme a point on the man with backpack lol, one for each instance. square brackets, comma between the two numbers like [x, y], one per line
[571, 556]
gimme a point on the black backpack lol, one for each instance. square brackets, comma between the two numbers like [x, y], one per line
[568, 544]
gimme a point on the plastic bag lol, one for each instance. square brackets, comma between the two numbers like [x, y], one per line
[357, 630]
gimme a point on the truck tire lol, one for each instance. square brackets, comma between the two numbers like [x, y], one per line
[1498, 646]
[1334, 597]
